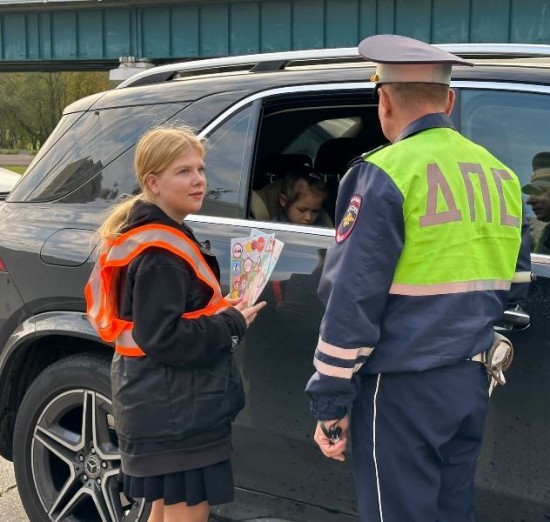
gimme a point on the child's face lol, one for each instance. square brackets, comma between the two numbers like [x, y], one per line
[180, 188]
[305, 210]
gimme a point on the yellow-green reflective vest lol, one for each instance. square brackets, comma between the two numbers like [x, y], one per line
[462, 211]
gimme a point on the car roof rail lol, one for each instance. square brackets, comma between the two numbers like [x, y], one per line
[272, 62]
[252, 62]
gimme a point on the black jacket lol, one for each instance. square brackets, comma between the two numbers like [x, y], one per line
[187, 389]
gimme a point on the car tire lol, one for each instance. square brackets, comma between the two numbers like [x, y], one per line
[65, 449]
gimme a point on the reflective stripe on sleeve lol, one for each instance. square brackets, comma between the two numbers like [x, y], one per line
[335, 361]
[349, 354]
[332, 371]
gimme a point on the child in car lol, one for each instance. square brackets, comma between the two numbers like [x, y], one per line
[301, 199]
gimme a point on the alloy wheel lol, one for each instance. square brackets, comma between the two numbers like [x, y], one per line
[75, 461]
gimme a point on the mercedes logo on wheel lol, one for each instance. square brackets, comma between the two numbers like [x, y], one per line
[92, 466]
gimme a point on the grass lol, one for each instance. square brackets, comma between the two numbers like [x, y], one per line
[20, 169]
[17, 151]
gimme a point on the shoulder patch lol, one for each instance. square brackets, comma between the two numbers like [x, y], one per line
[350, 217]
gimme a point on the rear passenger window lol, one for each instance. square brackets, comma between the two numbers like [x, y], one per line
[81, 154]
[515, 127]
[313, 140]
[114, 181]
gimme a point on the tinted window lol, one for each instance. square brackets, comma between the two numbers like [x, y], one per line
[514, 126]
[83, 151]
[229, 150]
[309, 141]
[65, 123]
[115, 180]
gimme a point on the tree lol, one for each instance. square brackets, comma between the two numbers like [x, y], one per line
[32, 103]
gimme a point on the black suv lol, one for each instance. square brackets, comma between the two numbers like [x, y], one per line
[261, 115]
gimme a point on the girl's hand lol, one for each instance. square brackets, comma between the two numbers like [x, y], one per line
[249, 314]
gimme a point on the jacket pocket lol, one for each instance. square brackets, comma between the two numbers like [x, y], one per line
[141, 399]
[219, 395]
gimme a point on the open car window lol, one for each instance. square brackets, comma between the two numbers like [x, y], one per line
[326, 135]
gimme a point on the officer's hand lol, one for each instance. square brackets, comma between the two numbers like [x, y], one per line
[336, 450]
[249, 313]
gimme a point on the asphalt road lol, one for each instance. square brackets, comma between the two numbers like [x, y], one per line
[15, 159]
[11, 509]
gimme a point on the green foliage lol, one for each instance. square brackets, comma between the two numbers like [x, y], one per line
[32, 103]
[18, 169]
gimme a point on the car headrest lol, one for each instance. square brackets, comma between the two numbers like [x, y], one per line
[258, 207]
[335, 154]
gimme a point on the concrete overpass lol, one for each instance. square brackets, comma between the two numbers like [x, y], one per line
[49, 35]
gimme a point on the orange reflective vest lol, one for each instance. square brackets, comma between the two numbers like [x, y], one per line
[102, 288]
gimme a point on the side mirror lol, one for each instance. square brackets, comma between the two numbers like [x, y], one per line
[514, 320]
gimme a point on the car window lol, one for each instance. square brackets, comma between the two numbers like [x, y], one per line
[227, 159]
[514, 126]
[309, 141]
[84, 150]
[114, 181]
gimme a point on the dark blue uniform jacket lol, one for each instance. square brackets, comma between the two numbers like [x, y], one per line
[367, 330]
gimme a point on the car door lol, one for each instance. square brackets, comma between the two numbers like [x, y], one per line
[275, 457]
[513, 478]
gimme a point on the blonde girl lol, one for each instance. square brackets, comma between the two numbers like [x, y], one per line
[175, 386]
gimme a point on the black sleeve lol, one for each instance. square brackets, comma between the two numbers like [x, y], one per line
[160, 288]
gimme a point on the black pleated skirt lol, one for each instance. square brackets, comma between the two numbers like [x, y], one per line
[213, 484]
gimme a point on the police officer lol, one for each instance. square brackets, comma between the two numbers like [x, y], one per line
[428, 239]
